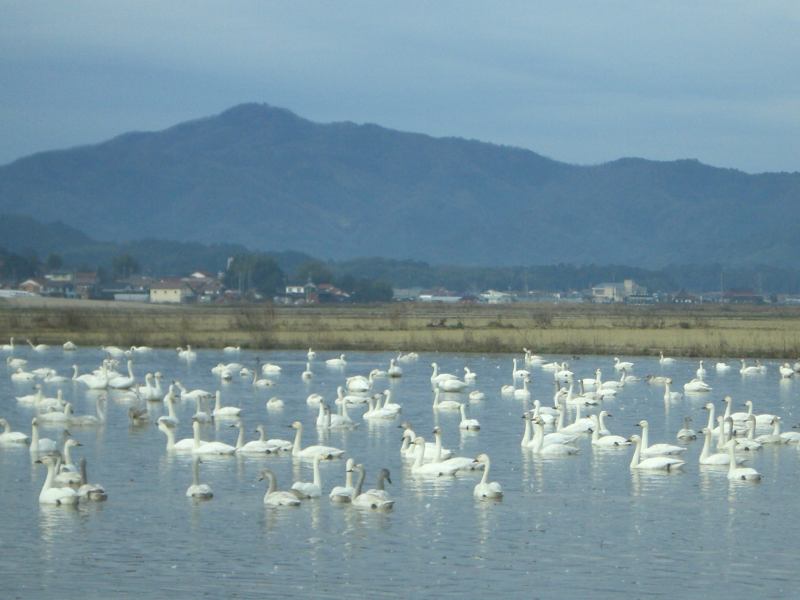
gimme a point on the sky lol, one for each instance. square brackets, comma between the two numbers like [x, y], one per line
[578, 81]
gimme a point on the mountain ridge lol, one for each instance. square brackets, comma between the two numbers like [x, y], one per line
[265, 178]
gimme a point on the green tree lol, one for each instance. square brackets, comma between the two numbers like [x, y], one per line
[250, 273]
[124, 265]
[53, 261]
[314, 270]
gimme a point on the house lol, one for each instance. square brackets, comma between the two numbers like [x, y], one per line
[616, 292]
[32, 286]
[742, 297]
[85, 284]
[495, 297]
[170, 291]
[328, 293]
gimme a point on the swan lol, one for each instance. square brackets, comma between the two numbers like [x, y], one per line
[619, 365]
[123, 383]
[32, 399]
[762, 420]
[719, 458]
[350, 399]
[311, 355]
[224, 412]
[669, 395]
[11, 437]
[606, 441]
[201, 415]
[433, 452]
[554, 449]
[467, 424]
[191, 395]
[359, 384]
[93, 381]
[40, 444]
[775, 436]
[459, 463]
[90, 491]
[55, 495]
[169, 400]
[138, 416]
[260, 383]
[585, 400]
[686, 433]
[524, 393]
[67, 473]
[407, 357]
[16, 363]
[657, 379]
[696, 385]
[274, 497]
[579, 425]
[749, 443]
[148, 391]
[89, 420]
[8, 347]
[376, 498]
[394, 369]
[186, 354]
[656, 449]
[444, 404]
[141, 349]
[486, 490]
[38, 347]
[788, 437]
[665, 360]
[437, 377]
[507, 390]
[314, 399]
[532, 359]
[336, 362]
[388, 404]
[54, 377]
[604, 386]
[113, 351]
[307, 374]
[258, 446]
[20, 376]
[198, 491]
[549, 438]
[655, 463]
[232, 349]
[274, 403]
[57, 417]
[470, 376]
[344, 493]
[305, 489]
[311, 451]
[452, 385]
[476, 396]
[376, 411]
[167, 427]
[431, 469]
[786, 370]
[722, 366]
[701, 371]
[751, 370]
[740, 473]
[519, 373]
[201, 447]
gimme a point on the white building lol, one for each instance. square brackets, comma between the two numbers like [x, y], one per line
[616, 292]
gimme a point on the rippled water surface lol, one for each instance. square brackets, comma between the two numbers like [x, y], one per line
[568, 527]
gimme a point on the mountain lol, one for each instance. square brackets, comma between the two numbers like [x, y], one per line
[265, 178]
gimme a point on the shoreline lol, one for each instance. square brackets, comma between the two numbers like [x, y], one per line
[699, 330]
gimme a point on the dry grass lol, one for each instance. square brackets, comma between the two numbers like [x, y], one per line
[680, 331]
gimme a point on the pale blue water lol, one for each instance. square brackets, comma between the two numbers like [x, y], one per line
[567, 527]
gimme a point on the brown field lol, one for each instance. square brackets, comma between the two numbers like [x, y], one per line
[707, 330]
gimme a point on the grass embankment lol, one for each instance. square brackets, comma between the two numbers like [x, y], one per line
[571, 329]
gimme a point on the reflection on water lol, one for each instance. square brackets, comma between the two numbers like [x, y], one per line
[573, 527]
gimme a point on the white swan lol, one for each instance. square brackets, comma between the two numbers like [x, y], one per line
[537, 445]
[305, 489]
[224, 412]
[16, 363]
[275, 497]
[749, 370]
[430, 469]
[88, 420]
[55, 495]
[274, 403]
[686, 433]
[433, 452]
[67, 472]
[519, 373]
[191, 395]
[201, 415]
[337, 362]
[394, 369]
[123, 383]
[263, 382]
[38, 347]
[486, 490]
[740, 473]
[198, 491]
[311, 451]
[669, 395]
[444, 404]
[785, 370]
[619, 365]
[90, 491]
[549, 438]
[606, 441]
[656, 449]
[467, 424]
[407, 357]
[167, 427]
[696, 385]
[344, 493]
[523, 393]
[20, 376]
[775, 436]
[376, 411]
[376, 498]
[665, 360]
[722, 366]
[201, 447]
[308, 373]
[470, 376]
[42, 445]
[476, 396]
[749, 443]
[706, 456]
[186, 354]
[311, 355]
[8, 347]
[11, 437]
[232, 349]
[459, 463]
[701, 371]
[655, 463]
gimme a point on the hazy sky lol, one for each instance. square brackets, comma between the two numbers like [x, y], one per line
[579, 81]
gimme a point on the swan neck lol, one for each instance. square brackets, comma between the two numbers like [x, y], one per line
[526, 437]
[240, 437]
[84, 477]
[361, 475]
[645, 438]
[317, 478]
[196, 472]
[635, 459]
[297, 434]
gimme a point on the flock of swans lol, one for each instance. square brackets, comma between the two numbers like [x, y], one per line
[576, 417]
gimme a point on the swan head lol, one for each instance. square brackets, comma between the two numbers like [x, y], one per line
[708, 406]
[481, 458]
[385, 475]
[727, 399]
[348, 466]
[748, 403]
[419, 441]
[296, 425]
[266, 474]
[635, 439]
[437, 430]
[72, 443]
[605, 414]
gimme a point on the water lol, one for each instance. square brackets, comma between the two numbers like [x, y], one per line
[568, 527]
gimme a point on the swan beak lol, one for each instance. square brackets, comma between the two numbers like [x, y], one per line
[38, 461]
[609, 415]
[389, 479]
[78, 444]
